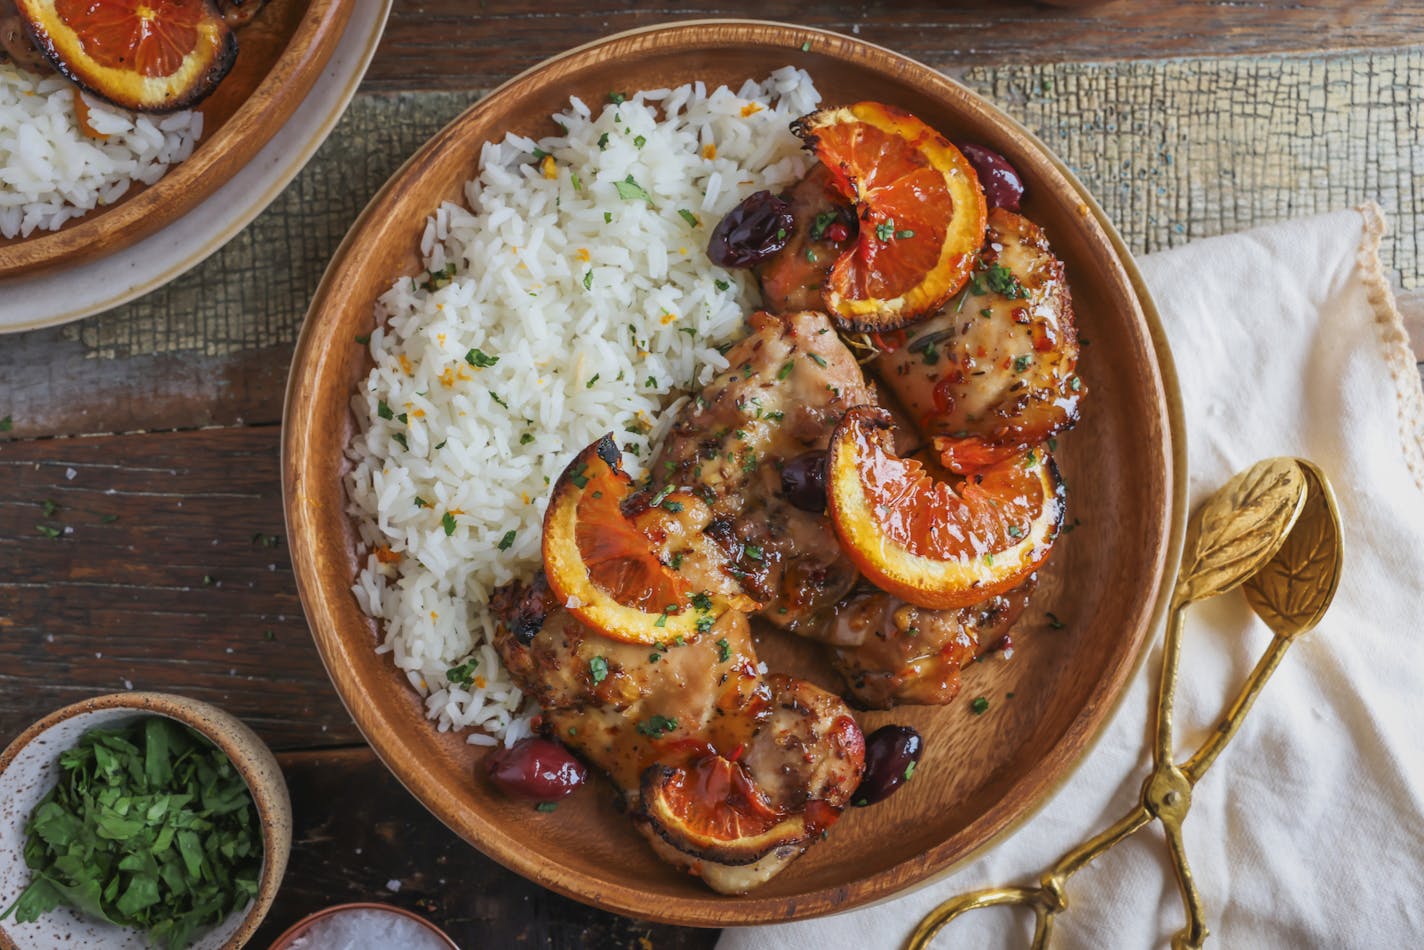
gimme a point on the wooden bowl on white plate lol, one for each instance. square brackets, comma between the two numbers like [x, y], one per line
[29, 767]
[982, 775]
[280, 56]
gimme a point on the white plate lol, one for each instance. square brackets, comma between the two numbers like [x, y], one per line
[55, 297]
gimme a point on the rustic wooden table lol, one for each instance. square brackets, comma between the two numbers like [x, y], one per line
[148, 436]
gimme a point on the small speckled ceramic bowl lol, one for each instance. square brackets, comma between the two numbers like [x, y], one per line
[29, 768]
[301, 927]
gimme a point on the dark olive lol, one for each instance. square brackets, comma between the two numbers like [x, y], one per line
[751, 232]
[803, 481]
[536, 770]
[891, 755]
[1003, 188]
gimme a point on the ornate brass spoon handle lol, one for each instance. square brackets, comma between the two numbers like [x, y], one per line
[1274, 529]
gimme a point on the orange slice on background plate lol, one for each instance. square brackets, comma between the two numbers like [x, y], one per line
[933, 543]
[920, 207]
[146, 55]
[713, 810]
[605, 570]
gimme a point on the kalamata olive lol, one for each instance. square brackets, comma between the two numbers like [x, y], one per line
[536, 770]
[751, 232]
[891, 755]
[803, 481]
[1003, 188]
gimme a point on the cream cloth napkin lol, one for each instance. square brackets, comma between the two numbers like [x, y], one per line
[1309, 830]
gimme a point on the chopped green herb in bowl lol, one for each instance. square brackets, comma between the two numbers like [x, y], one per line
[118, 818]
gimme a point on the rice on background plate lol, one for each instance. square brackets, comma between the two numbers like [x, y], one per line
[52, 172]
[572, 297]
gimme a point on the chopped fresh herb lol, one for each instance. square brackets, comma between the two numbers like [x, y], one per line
[578, 477]
[986, 313]
[979, 705]
[806, 47]
[598, 669]
[910, 770]
[1015, 531]
[421, 502]
[724, 650]
[690, 331]
[547, 807]
[1076, 383]
[885, 230]
[1001, 280]
[662, 620]
[721, 284]
[785, 370]
[441, 445]
[701, 601]
[383, 410]
[639, 141]
[266, 540]
[654, 657]
[588, 280]
[672, 506]
[617, 98]
[1021, 362]
[823, 220]
[526, 438]
[1053, 620]
[209, 580]
[48, 531]
[478, 357]
[688, 216]
[608, 217]
[574, 178]
[705, 623]
[988, 559]
[656, 726]
[652, 382]
[399, 439]
[591, 380]
[904, 235]
[506, 541]
[362, 339]
[439, 278]
[753, 552]
[49, 508]
[447, 521]
[658, 498]
[495, 396]
[403, 419]
[818, 359]
[464, 674]
[630, 190]
[540, 154]
[603, 141]
[149, 827]
[676, 563]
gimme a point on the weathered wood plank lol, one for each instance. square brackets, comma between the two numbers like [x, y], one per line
[169, 572]
[448, 44]
[357, 831]
[1174, 150]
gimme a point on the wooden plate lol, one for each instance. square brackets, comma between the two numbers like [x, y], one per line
[280, 55]
[982, 774]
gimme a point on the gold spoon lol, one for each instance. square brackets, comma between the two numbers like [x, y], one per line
[1274, 529]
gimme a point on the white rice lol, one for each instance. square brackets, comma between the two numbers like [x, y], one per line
[50, 171]
[601, 310]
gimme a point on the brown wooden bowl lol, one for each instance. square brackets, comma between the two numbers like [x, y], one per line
[982, 775]
[280, 56]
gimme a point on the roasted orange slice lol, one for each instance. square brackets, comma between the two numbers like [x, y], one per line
[930, 542]
[605, 570]
[920, 208]
[714, 811]
[147, 55]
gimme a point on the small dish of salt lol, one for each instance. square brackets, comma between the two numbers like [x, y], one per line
[363, 927]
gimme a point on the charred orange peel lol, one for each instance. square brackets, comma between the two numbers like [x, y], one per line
[602, 567]
[921, 210]
[149, 55]
[713, 810]
[930, 542]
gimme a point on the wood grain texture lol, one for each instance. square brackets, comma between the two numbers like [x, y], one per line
[986, 773]
[359, 836]
[280, 56]
[1174, 151]
[170, 573]
[455, 44]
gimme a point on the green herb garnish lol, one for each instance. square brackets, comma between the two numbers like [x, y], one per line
[979, 705]
[148, 827]
[506, 541]
[630, 190]
[656, 726]
[447, 521]
[688, 216]
[478, 357]
[464, 674]
[598, 669]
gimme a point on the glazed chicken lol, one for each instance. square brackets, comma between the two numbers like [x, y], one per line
[690, 725]
[994, 373]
